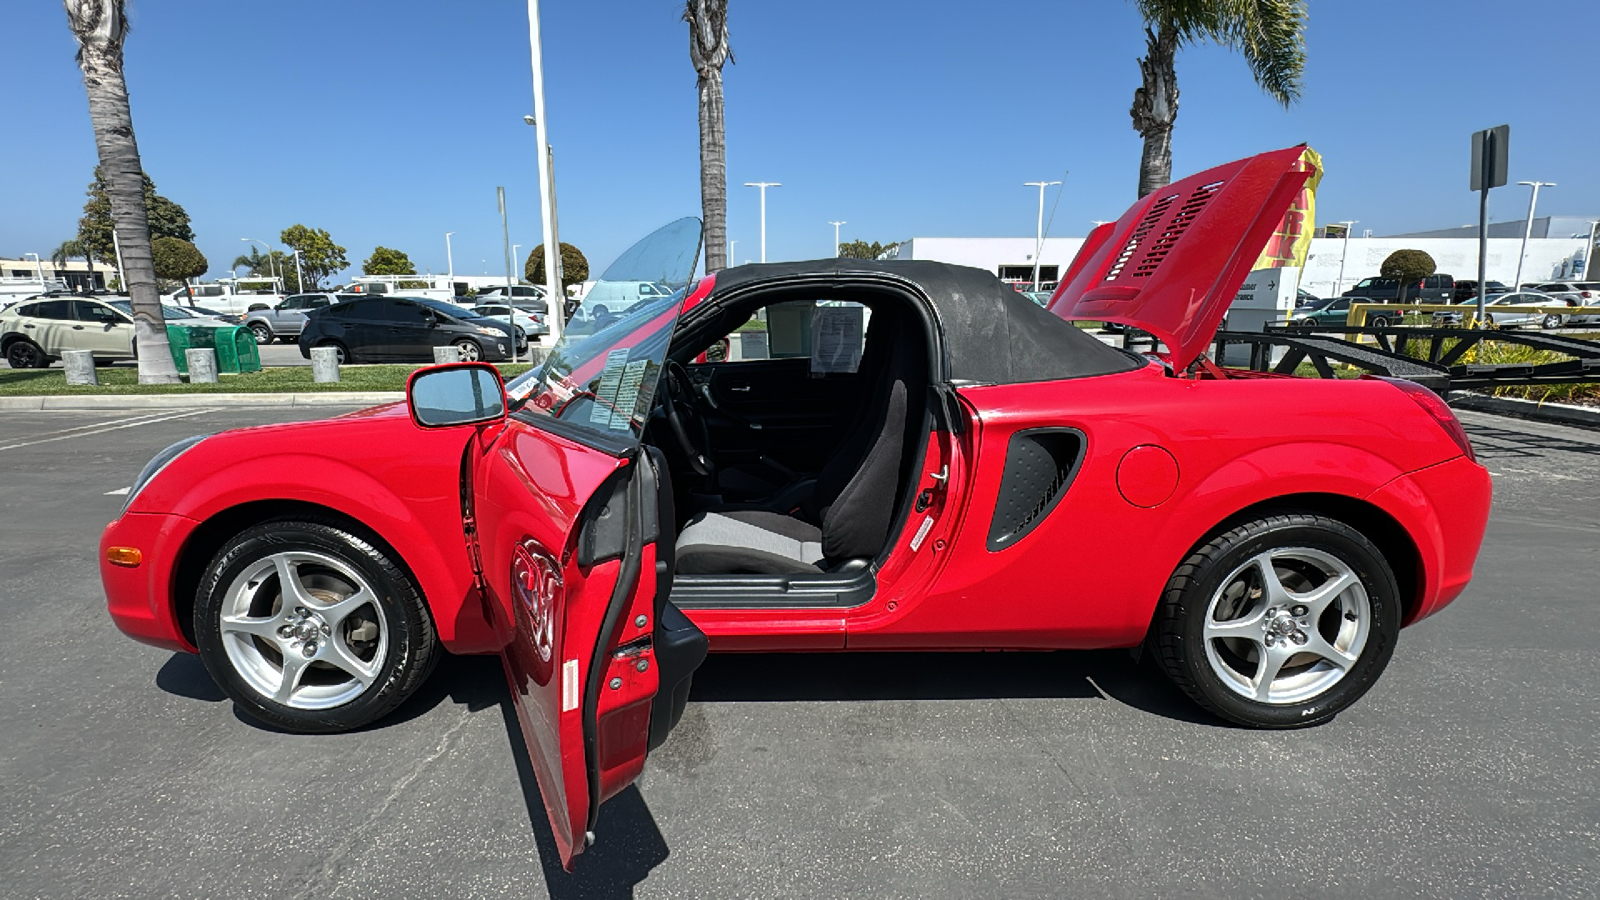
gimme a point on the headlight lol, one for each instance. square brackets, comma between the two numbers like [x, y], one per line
[493, 332]
[157, 463]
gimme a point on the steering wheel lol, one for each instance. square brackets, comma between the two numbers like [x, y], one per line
[688, 427]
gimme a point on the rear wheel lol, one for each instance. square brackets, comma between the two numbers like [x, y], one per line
[1380, 321]
[262, 332]
[310, 628]
[25, 354]
[1281, 622]
[469, 350]
[1554, 320]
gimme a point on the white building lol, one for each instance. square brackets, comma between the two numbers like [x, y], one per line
[1547, 258]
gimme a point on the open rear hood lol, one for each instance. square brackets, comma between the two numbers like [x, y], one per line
[1174, 261]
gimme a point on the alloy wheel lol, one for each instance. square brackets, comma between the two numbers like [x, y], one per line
[262, 332]
[469, 350]
[304, 630]
[1287, 625]
[24, 355]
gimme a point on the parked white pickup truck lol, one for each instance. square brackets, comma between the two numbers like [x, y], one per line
[232, 296]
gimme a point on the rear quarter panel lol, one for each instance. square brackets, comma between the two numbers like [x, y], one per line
[1090, 574]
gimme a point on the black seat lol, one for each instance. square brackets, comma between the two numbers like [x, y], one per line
[847, 513]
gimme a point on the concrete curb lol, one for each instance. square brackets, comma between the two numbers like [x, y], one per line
[1557, 413]
[190, 401]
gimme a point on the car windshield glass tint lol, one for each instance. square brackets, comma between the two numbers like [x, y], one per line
[601, 377]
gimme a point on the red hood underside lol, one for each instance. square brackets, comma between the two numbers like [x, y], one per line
[1175, 260]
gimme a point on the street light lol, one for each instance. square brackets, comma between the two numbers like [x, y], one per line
[1038, 242]
[272, 265]
[1533, 200]
[763, 185]
[449, 260]
[299, 276]
[836, 236]
[555, 301]
[1339, 284]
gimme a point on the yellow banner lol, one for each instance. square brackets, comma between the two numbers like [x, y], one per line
[1292, 241]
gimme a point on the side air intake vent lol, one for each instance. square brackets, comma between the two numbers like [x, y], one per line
[1040, 464]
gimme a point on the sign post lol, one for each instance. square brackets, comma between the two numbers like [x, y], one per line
[1491, 148]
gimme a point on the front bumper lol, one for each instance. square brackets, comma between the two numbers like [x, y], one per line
[140, 598]
[1445, 509]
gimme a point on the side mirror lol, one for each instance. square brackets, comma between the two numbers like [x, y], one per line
[431, 319]
[458, 394]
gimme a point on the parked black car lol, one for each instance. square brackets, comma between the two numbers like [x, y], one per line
[1433, 289]
[383, 328]
[1468, 290]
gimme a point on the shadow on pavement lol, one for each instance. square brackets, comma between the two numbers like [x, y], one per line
[184, 675]
[627, 845]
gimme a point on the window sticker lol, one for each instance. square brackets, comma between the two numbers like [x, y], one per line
[836, 339]
[605, 396]
[628, 395]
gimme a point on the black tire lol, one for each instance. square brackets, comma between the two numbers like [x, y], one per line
[1179, 644]
[412, 646]
[1380, 321]
[345, 356]
[262, 332]
[469, 349]
[1553, 320]
[601, 312]
[25, 354]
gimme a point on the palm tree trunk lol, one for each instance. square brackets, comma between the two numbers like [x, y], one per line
[1155, 107]
[99, 26]
[713, 172]
[708, 50]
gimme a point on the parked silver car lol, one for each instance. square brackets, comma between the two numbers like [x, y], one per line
[284, 321]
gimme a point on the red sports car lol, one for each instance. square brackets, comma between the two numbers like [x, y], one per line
[885, 455]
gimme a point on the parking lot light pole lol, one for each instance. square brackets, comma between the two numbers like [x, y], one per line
[1038, 240]
[1338, 284]
[836, 236]
[272, 264]
[449, 260]
[763, 185]
[555, 301]
[1533, 201]
[299, 276]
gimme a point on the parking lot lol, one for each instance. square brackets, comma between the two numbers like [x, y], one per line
[1471, 770]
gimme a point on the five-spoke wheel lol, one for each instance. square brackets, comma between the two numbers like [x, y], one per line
[312, 628]
[1279, 622]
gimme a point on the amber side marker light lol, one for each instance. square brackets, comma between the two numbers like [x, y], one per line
[124, 556]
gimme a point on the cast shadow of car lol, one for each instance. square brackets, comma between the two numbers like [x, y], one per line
[1064, 674]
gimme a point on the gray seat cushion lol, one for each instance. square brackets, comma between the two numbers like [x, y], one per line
[748, 542]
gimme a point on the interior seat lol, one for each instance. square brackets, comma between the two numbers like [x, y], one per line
[847, 513]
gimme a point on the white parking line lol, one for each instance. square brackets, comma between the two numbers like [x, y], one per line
[103, 427]
[119, 492]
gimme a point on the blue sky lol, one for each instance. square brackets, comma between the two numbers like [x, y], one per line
[902, 118]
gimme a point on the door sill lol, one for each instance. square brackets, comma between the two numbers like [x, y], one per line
[823, 590]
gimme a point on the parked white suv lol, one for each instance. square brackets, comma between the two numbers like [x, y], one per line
[34, 333]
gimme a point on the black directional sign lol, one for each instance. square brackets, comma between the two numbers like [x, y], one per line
[1490, 150]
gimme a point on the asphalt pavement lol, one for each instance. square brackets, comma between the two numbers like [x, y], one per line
[1471, 770]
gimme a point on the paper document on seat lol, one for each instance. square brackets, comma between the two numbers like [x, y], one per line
[605, 396]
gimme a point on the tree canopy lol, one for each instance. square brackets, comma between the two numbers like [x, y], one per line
[167, 219]
[574, 265]
[1409, 266]
[319, 255]
[177, 260]
[388, 261]
[864, 250]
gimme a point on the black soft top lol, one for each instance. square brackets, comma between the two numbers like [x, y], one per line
[991, 333]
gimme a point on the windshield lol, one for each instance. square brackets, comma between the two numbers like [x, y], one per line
[601, 377]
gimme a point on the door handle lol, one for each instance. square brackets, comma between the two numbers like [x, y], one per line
[740, 390]
[77, 328]
[27, 325]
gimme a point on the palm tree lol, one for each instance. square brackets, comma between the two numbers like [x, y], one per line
[708, 50]
[1270, 34]
[68, 250]
[100, 27]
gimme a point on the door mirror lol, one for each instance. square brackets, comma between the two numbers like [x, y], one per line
[461, 394]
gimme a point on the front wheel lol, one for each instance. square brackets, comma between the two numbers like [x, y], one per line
[1380, 321]
[469, 350]
[1554, 320]
[344, 356]
[1281, 622]
[311, 628]
[262, 332]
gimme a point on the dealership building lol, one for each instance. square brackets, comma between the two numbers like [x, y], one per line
[1556, 251]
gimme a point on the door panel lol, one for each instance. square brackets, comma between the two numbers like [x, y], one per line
[799, 416]
[568, 536]
[102, 330]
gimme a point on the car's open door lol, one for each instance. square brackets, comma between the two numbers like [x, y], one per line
[572, 521]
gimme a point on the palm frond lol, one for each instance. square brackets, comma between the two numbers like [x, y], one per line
[1270, 34]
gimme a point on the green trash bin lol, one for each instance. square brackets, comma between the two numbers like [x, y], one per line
[235, 347]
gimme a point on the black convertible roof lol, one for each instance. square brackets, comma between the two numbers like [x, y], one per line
[991, 333]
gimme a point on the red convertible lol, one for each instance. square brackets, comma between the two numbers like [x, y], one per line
[885, 456]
